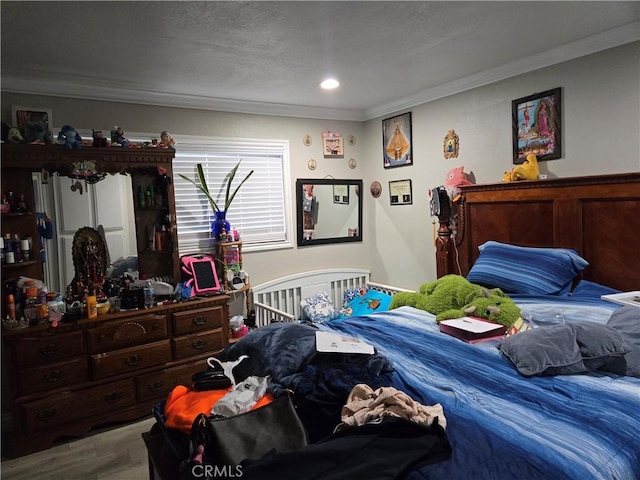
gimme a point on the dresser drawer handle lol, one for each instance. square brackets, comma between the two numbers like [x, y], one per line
[46, 414]
[113, 397]
[133, 360]
[155, 386]
[199, 321]
[199, 344]
[48, 349]
[54, 376]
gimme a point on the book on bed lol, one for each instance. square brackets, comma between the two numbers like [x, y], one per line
[624, 298]
[472, 330]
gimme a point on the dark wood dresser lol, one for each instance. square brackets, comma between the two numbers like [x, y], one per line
[63, 381]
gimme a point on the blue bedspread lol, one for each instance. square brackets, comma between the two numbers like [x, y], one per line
[502, 425]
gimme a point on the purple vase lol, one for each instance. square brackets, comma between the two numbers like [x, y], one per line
[220, 223]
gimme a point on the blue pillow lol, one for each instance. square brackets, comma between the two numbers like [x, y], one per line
[526, 270]
[371, 302]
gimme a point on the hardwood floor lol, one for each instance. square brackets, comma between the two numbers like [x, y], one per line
[114, 454]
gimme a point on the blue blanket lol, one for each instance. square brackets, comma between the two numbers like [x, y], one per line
[502, 425]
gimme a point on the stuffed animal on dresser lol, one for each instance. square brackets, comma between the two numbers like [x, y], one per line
[69, 138]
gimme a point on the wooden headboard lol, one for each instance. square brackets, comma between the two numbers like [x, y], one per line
[598, 216]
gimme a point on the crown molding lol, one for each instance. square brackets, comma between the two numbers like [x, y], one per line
[610, 39]
[596, 43]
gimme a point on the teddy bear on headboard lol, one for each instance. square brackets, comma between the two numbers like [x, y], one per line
[529, 170]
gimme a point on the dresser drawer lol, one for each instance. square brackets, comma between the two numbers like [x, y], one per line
[66, 407]
[123, 333]
[161, 383]
[197, 344]
[130, 359]
[53, 375]
[48, 347]
[197, 320]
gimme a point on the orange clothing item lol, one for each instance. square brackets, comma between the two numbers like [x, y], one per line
[183, 405]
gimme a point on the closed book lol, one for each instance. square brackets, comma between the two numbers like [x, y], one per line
[472, 330]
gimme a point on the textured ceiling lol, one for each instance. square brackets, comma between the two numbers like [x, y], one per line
[268, 57]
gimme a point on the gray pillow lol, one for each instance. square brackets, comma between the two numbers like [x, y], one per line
[563, 349]
[626, 321]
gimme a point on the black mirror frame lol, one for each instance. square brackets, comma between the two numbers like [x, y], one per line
[302, 242]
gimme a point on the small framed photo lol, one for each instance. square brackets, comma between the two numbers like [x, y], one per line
[35, 124]
[397, 141]
[400, 192]
[537, 127]
[341, 194]
[332, 145]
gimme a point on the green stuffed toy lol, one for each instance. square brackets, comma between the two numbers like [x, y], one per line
[492, 305]
[447, 293]
[453, 296]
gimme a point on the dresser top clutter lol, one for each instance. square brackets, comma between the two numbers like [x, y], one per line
[98, 367]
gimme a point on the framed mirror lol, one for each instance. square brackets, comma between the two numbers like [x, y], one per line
[328, 211]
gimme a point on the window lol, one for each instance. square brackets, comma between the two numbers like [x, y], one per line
[258, 211]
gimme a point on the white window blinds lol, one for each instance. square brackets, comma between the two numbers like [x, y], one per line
[258, 209]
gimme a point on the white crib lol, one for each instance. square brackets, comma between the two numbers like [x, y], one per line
[279, 300]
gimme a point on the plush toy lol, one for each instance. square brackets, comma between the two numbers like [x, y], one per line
[447, 293]
[14, 135]
[453, 296]
[492, 305]
[166, 141]
[118, 139]
[456, 177]
[69, 138]
[527, 171]
[98, 138]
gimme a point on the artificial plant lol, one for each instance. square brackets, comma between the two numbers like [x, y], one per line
[202, 186]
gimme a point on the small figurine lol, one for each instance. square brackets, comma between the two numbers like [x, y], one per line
[117, 138]
[165, 140]
[98, 139]
[69, 138]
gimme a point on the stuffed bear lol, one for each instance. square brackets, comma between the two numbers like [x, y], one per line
[447, 293]
[492, 305]
[529, 170]
[69, 138]
[98, 138]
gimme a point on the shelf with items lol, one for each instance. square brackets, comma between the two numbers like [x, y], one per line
[234, 279]
[20, 240]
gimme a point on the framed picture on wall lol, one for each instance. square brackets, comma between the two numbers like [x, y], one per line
[537, 127]
[397, 141]
[35, 124]
[341, 194]
[400, 192]
[332, 145]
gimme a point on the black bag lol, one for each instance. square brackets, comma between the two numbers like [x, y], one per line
[211, 379]
[226, 441]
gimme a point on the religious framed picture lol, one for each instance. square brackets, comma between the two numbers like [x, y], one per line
[332, 145]
[397, 141]
[400, 192]
[35, 124]
[537, 126]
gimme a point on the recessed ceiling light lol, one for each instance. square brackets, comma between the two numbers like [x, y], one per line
[330, 84]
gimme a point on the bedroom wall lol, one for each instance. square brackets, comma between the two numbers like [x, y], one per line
[600, 133]
[601, 125]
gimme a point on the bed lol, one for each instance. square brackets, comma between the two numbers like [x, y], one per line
[501, 423]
